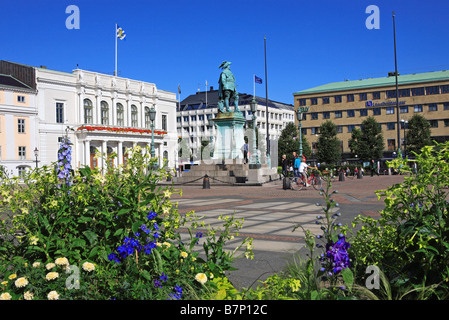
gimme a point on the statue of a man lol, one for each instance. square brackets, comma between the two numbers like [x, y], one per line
[227, 88]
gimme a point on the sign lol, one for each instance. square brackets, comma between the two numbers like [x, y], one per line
[381, 104]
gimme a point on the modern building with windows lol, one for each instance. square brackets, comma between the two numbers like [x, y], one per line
[105, 114]
[18, 120]
[196, 112]
[349, 103]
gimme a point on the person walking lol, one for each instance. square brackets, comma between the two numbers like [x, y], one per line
[373, 168]
[284, 164]
[296, 164]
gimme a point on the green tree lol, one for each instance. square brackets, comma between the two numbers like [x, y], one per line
[329, 148]
[418, 134]
[289, 143]
[368, 142]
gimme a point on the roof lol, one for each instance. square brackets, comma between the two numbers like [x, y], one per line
[7, 80]
[198, 101]
[378, 82]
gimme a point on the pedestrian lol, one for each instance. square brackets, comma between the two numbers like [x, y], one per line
[245, 152]
[296, 164]
[303, 170]
[373, 168]
[284, 164]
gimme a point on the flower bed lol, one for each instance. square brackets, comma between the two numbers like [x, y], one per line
[121, 130]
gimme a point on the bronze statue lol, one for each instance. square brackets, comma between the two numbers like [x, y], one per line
[227, 88]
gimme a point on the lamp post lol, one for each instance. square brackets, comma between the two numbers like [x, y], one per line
[299, 113]
[254, 156]
[397, 90]
[36, 154]
[404, 125]
[152, 117]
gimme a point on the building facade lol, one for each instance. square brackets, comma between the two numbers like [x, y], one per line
[104, 114]
[196, 113]
[348, 103]
[18, 121]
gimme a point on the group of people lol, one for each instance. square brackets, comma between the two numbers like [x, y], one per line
[298, 166]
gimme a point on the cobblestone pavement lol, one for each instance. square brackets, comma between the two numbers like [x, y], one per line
[270, 213]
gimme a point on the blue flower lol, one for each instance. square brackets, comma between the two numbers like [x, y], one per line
[151, 215]
[163, 277]
[177, 294]
[338, 255]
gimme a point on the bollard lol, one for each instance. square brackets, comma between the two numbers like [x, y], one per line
[206, 183]
[286, 184]
[341, 177]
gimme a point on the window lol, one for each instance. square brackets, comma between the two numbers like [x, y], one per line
[391, 94]
[337, 99]
[21, 170]
[391, 144]
[444, 89]
[446, 123]
[433, 107]
[192, 118]
[338, 114]
[326, 115]
[315, 130]
[313, 101]
[390, 110]
[446, 106]
[418, 108]
[186, 118]
[22, 153]
[363, 96]
[88, 111]
[304, 131]
[120, 118]
[134, 114]
[391, 125]
[404, 92]
[351, 113]
[325, 100]
[351, 127]
[339, 129]
[376, 112]
[363, 112]
[417, 91]
[21, 99]
[403, 109]
[147, 117]
[304, 116]
[21, 125]
[376, 95]
[302, 102]
[433, 123]
[433, 90]
[164, 122]
[314, 115]
[59, 112]
[104, 113]
[200, 117]
[350, 97]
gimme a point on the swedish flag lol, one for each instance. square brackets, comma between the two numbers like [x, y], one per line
[120, 33]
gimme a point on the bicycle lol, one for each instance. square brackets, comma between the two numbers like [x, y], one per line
[299, 182]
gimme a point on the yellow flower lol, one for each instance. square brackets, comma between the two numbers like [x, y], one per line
[53, 295]
[5, 296]
[87, 266]
[184, 254]
[49, 266]
[167, 244]
[51, 275]
[166, 210]
[5, 283]
[28, 295]
[167, 193]
[201, 278]
[24, 210]
[62, 262]
[21, 282]
[12, 276]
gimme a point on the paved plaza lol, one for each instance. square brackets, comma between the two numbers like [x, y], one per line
[270, 213]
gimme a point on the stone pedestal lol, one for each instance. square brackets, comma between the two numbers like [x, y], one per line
[230, 136]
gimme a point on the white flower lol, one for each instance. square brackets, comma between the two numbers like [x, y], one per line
[36, 264]
[62, 262]
[5, 296]
[87, 266]
[49, 266]
[201, 278]
[51, 275]
[21, 282]
[28, 295]
[53, 295]
[184, 254]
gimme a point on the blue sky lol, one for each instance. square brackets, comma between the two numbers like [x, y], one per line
[183, 42]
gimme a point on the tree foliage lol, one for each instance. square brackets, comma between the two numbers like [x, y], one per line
[418, 134]
[289, 143]
[368, 142]
[329, 148]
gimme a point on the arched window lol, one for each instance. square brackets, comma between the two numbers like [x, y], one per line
[87, 111]
[134, 115]
[120, 121]
[104, 112]
[147, 118]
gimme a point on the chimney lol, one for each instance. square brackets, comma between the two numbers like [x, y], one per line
[211, 88]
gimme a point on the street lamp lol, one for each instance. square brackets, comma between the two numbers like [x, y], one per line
[254, 155]
[404, 125]
[152, 118]
[36, 154]
[299, 113]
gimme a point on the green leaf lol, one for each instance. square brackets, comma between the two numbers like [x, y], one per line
[348, 277]
[91, 236]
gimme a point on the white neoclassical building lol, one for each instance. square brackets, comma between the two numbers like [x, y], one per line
[108, 114]
[104, 113]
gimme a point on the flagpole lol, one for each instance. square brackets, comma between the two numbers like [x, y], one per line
[266, 103]
[254, 86]
[115, 72]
